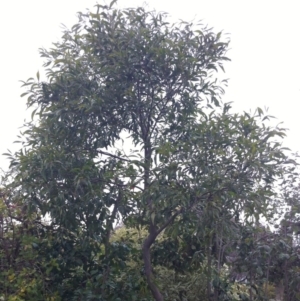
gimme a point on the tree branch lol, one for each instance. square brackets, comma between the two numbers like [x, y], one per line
[113, 156]
[168, 222]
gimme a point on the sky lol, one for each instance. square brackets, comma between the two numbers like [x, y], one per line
[264, 49]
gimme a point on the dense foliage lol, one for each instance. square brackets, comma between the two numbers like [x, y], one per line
[129, 127]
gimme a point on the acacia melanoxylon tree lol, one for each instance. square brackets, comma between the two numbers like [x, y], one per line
[129, 125]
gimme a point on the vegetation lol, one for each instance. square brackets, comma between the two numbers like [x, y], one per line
[129, 128]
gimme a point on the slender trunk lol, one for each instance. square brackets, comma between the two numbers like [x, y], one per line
[250, 290]
[209, 269]
[279, 291]
[218, 242]
[267, 280]
[286, 283]
[109, 226]
[152, 230]
[110, 221]
[285, 269]
[148, 267]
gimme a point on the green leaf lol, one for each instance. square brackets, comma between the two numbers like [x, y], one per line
[260, 111]
[112, 3]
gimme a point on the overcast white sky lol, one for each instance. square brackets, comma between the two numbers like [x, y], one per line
[265, 52]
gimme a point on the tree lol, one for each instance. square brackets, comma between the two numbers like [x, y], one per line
[128, 75]
[23, 268]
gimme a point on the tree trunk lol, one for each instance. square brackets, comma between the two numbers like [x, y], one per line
[250, 289]
[148, 267]
[279, 291]
[152, 230]
[209, 269]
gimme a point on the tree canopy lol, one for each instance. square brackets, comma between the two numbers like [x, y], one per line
[129, 127]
